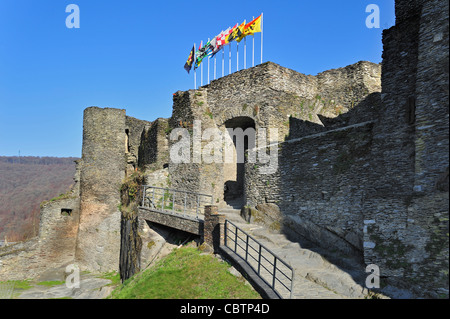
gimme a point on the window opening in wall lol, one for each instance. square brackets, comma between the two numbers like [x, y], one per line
[127, 141]
[66, 211]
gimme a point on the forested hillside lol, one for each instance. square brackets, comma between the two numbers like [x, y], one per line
[25, 182]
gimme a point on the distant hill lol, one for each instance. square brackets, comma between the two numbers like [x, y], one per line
[25, 182]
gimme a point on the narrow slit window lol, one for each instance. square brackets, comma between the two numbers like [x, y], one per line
[127, 140]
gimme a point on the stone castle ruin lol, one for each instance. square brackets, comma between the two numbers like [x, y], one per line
[361, 165]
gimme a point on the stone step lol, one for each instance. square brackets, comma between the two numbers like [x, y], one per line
[315, 276]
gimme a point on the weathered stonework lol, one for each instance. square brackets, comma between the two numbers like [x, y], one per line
[409, 233]
[58, 226]
[213, 232]
[362, 162]
[266, 96]
[319, 186]
[104, 165]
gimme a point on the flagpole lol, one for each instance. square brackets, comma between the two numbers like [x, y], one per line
[195, 71]
[253, 51]
[229, 59]
[237, 56]
[253, 48]
[245, 53]
[223, 61]
[201, 74]
[214, 67]
[208, 65]
[262, 25]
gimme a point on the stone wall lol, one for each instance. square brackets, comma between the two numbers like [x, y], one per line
[154, 146]
[103, 170]
[269, 96]
[319, 186]
[407, 214]
[134, 129]
[58, 224]
[431, 180]
[58, 229]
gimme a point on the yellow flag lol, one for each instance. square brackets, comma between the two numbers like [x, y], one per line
[251, 28]
[237, 32]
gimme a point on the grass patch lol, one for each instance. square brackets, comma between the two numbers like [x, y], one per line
[19, 284]
[51, 283]
[114, 276]
[186, 274]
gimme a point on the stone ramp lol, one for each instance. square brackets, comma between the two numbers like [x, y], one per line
[315, 276]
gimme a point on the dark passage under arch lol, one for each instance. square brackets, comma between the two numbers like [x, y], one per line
[234, 174]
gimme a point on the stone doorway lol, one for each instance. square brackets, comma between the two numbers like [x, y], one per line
[242, 132]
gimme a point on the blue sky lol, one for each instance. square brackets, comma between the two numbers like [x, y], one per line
[130, 54]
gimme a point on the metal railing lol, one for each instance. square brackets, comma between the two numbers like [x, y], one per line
[187, 204]
[270, 268]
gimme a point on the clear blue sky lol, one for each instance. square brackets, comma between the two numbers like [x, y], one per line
[130, 54]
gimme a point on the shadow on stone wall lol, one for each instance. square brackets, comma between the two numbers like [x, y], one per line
[316, 197]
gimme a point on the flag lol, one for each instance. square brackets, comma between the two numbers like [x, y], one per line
[199, 55]
[190, 60]
[221, 38]
[251, 28]
[224, 39]
[214, 44]
[236, 32]
[211, 46]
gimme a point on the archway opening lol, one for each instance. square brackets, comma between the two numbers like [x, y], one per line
[241, 130]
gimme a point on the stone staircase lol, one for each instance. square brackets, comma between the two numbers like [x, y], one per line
[319, 274]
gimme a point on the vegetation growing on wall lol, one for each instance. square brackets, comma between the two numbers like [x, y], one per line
[131, 242]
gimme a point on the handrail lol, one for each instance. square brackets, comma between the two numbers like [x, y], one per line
[165, 199]
[274, 272]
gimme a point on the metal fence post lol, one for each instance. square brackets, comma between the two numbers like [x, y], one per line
[235, 239]
[143, 197]
[173, 202]
[274, 271]
[225, 232]
[259, 259]
[153, 197]
[246, 248]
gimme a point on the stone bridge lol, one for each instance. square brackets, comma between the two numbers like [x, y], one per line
[185, 223]
[182, 210]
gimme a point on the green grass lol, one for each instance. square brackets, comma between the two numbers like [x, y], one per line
[186, 274]
[20, 284]
[52, 283]
[114, 276]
